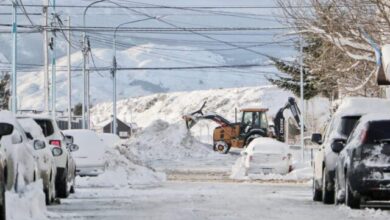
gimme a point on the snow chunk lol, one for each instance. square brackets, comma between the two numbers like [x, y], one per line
[162, 140]
[123, 170]
[28, 205]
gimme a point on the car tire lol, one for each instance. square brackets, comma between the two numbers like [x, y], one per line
[317, 193]
[327, 195]
[350, 200]
[251, 138]
[222, 147]
[2, 207]
[336, 190]
[62, 189]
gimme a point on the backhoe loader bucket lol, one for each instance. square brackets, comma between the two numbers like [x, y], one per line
[192, 119]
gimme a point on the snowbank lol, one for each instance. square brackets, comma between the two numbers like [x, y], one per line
[28, 205]
[163, 141]
[123, 170]
[301, 172]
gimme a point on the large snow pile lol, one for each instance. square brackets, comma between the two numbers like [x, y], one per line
[123, 170]
[28, 205]
[164, 141]
[172, 106]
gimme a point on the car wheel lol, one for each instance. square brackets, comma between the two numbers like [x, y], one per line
[336, 190]
[350, 200]
[2, 206]
[327, 195]
[251, 138]
[63, 190]
[222, 147]
[317, 193]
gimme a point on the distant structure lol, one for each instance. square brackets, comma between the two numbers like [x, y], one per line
[123, 131]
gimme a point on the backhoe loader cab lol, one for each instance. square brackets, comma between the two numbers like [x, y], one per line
[253, 124]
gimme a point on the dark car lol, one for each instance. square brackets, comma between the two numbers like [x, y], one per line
[363, 167]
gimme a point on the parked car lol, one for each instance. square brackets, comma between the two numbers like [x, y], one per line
[66, 167]
[363, 168]
[90, 160]
[267, 155]
[338, 130]
[109, 139]
[45, 157]
[5, 129]
[21, 166]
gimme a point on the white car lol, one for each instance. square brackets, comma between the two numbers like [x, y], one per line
[266, 155]
[338, 130]
[109, 139]
[45, 157]
[90, 159]
[5, 129]
[22, 168]
[66, 167]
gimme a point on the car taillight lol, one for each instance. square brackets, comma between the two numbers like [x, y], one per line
[363, 136]
[56, 143]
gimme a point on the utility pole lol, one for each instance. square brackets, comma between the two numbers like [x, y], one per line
[46, 56]
[53, 67]
[69, 79]
[113, 72]
[14, 57]
[302, 99]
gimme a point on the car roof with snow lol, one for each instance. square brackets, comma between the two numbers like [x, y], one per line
[7, 117]
[361, 105]
[267, 145]
[29, 125]
[375, 117]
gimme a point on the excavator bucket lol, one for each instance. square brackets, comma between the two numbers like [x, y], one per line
[192, 119]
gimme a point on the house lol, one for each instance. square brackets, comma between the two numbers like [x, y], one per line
[123, 130]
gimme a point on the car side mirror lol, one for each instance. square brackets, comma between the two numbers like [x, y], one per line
[337, 146]
[6, 129]
[57, 152]
[316, 138]
[39, 145]
[16, 137]
[74, 147]
[69, 139]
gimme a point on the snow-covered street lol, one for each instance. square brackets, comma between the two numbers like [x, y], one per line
[204, 200]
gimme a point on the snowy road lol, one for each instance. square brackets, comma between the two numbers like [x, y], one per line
[204, 200]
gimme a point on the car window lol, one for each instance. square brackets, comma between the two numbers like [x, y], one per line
[46, 125]
[348, 123]
[328, 130]
[247, 118]
[378, 131]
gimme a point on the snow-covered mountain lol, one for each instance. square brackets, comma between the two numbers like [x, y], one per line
[137, 83]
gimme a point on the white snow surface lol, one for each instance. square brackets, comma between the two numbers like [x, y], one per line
[360, 105]
[123, 170]
[164, 141]
[28, 205]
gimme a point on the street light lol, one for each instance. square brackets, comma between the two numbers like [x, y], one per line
[85, 51]
[113, 72]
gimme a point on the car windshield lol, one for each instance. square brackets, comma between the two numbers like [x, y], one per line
[378, 131]
[46, 125]
[348, 124]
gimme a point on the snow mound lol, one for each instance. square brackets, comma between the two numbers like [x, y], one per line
[301, 172]
[164, 141]
[28, 205]
[123, 170]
